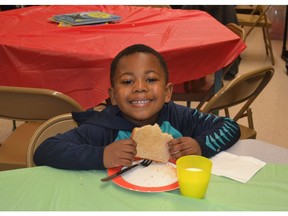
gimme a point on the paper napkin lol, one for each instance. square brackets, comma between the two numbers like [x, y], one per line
[239, 168]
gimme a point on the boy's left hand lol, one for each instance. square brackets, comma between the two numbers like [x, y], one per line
[183, 146]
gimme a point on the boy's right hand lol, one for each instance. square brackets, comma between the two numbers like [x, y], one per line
[119, 153]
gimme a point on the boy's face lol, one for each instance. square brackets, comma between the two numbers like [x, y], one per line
[140, 90]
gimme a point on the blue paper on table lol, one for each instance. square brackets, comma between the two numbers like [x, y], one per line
[85, 18]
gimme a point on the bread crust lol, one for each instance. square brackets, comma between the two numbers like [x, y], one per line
[152, 143]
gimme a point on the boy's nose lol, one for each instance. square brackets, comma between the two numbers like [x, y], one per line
[140, 86]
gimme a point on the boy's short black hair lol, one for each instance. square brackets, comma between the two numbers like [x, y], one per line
[141, 48]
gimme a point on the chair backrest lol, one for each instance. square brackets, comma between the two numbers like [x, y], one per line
[244, 89]
[238, 30]
[51, 127]
[257, 17]
[34, 104]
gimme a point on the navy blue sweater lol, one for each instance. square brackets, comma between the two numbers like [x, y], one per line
[82, 147]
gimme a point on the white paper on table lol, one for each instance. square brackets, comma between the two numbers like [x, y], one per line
[239, 168]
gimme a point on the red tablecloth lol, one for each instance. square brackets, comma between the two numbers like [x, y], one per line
[34, 52]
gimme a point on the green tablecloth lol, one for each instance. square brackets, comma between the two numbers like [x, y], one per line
[45, 188]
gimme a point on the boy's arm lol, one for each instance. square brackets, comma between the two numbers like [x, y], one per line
[70, 151]
[215, 134]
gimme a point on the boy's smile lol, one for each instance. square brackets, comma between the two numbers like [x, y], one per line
[140, 89]
[140, 102]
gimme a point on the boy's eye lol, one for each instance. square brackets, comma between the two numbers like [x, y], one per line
[127, 82]
[151, 80]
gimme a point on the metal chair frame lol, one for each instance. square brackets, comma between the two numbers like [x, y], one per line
[258, 18]
[52, 127]
[32, 106]
[244, 89]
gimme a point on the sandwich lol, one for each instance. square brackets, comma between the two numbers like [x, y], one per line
[152, 143]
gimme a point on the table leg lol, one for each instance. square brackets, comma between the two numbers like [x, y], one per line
[218, 81]
[217, 84]
[284, 51]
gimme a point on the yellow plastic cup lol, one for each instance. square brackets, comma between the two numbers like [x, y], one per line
[193, 174]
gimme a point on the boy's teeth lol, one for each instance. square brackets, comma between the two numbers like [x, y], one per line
[140, 102]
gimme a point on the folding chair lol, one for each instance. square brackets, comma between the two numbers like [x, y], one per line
[205, 87]
[258, 18]
[33, 106]
[52, 127]
[242, 91]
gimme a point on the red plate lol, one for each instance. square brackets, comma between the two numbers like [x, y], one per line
[123, 183]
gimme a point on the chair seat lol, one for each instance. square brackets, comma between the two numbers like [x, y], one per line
[13, 150]
[247, 133]
[250, 20]
[200, 85]
[194, 90]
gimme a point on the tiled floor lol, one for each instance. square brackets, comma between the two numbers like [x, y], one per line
[269, 110]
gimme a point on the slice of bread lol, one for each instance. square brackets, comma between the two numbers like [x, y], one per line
[152, 143]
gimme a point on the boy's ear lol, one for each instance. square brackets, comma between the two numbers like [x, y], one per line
[169, 91]
[112, 96]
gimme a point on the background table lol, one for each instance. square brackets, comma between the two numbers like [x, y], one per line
[45, 188]
[34, 52]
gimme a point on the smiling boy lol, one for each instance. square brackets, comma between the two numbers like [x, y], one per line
[140, 93]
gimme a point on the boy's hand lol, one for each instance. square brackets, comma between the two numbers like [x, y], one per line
[183, 146]
[119, 153]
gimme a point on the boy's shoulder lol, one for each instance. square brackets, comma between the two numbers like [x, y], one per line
[110, 117]
[172, 106]
[175, 112]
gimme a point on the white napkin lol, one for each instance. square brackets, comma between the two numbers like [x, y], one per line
[239, 168]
